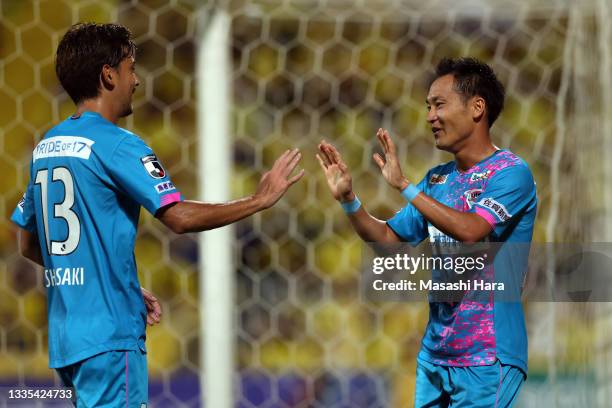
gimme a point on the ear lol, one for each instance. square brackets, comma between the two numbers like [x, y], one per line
[478, 106]
[108, 77]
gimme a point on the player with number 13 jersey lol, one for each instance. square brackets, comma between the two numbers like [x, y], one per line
[88, 179]
[79, 216]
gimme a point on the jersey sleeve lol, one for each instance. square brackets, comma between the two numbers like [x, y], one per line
[408, 223]
[138, 172]
[24, 214]
[508, 193]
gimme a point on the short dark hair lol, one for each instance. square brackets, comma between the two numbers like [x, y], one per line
[473, 77]
[84, 50]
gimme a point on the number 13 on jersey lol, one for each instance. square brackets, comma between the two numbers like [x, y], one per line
[61, 210]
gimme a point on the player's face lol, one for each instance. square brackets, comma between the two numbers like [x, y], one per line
[449, 117]
[128, 81]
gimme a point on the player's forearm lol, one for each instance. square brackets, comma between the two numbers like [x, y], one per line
[34, 256]
[462, 226]
[195, 216]
[368, 227]
[29, 247]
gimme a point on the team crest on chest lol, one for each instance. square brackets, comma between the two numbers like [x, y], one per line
[438, 178]
[153, 166]
[471, 196]
[480, 176]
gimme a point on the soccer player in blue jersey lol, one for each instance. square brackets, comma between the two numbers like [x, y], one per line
[79, 216]
[473, 353]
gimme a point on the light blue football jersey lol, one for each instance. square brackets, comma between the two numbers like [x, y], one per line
[88, 180]
[500, 189]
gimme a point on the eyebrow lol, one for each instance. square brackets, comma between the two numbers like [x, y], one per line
[433, 99]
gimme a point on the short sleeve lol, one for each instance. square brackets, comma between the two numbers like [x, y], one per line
[408, 223]
[24, 214]
[507, 194]
[138, 172]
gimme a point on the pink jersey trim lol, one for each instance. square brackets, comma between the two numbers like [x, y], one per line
[169, 199]
[486, 215]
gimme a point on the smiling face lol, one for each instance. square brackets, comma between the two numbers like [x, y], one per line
[450, 117]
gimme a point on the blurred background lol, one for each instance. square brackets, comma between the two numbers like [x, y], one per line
[302, 71]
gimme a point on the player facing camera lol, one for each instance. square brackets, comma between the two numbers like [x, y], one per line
[484, 194]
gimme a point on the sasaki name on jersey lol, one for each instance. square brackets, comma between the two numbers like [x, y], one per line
[64, 276]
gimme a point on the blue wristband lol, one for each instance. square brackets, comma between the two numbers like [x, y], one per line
[410, 192]
[351, 207]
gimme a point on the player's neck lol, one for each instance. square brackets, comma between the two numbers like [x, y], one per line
[474, 152]
[99, 106]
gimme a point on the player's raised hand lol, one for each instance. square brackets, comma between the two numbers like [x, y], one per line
[389, 166]
[336, 172]
[275, 182]
[154, 310]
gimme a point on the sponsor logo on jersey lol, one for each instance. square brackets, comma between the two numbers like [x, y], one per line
[438, 178]
[165, 186]
[438, 237]
[480, 176]
[153, 166]
[498, 208]
[442, 244]
[21, 203]
[63, 146]
[471, 196]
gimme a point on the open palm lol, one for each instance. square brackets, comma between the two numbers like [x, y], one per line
[275, 182]
[389, 165]
[336, 172]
